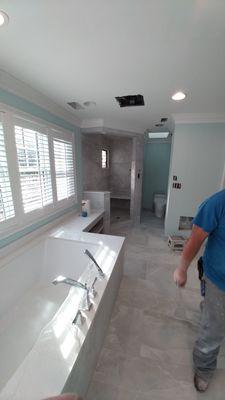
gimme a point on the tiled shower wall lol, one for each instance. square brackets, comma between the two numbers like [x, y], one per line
[94, 177]
[116, 178]
[120, 166]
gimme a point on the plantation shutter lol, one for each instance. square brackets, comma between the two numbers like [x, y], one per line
[64, 169]
[34, 168]
[6, 200]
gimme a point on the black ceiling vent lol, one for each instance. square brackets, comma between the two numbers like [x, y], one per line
[75, 105]
[131, 101]
[160, 124]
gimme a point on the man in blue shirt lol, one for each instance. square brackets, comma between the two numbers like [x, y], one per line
[208, 223]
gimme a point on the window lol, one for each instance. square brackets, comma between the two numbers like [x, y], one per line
[64, 169]
[37, 171]
[105, 158]
[6, 200]
[34, 168]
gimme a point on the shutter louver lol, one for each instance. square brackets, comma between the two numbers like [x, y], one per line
[6, 200]
[64, 169]
[34, 168]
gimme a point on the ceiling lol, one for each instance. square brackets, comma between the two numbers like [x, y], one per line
[76, 50]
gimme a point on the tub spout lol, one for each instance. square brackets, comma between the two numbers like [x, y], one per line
[88, 253]
[86, 304]
[69, 281]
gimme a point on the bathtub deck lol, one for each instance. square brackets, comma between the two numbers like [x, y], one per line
[21, 327]
[37, 332]
[147, 353]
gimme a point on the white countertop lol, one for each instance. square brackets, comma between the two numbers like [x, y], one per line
[75, 227]
[96, 191]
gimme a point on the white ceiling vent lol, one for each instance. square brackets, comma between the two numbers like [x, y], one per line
[158, 135]
[76, 106]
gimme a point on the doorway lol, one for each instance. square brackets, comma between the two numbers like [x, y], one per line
[107, 164]
[155, 175]
[120, 178]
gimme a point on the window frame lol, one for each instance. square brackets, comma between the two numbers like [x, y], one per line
[107, 157]
[21, 219]
[41, 131]
[70, 143]
[63, 136]
[3, 119]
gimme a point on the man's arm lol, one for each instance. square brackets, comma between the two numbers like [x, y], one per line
[191, 248]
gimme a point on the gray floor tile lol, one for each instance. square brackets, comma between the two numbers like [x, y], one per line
[135, 267]
[143, 375]
[109, 367]
[102, 391]
[147, 354]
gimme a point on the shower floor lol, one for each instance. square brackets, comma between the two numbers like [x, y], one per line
[119, 215]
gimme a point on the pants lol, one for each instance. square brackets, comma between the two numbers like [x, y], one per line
[212, 332]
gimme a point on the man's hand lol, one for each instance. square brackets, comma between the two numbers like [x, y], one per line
[180, 277]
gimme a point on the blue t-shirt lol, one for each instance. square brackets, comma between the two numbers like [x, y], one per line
[211, 218]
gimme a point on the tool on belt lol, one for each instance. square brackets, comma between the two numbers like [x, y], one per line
[201, 276]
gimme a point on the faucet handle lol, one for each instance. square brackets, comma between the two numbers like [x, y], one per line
[92, 289]
[79, 319]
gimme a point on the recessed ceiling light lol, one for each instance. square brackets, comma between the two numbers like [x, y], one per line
[179, 96]
[4, 19]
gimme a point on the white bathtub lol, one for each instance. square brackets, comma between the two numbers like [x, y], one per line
[39, 345]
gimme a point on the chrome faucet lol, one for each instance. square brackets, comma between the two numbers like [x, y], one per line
[92, 289]
[68, 281]
[101, 273]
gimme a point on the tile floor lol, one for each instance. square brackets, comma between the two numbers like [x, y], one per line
[147, 354]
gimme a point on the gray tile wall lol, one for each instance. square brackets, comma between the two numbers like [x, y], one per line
[117, 177]
[120, 165]
[94, 176]
[124, 175]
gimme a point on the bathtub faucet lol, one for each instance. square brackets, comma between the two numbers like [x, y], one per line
[68, 281]
[101, 273]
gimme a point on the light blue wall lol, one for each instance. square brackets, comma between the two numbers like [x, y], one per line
[198, 156]
[26, 106]
[23, 232]
[156, 170]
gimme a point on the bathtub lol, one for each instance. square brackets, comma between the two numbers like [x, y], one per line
[42, 352]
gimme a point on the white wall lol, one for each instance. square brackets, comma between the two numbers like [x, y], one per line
[198, 156]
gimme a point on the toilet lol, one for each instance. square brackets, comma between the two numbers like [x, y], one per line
[159, 202]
